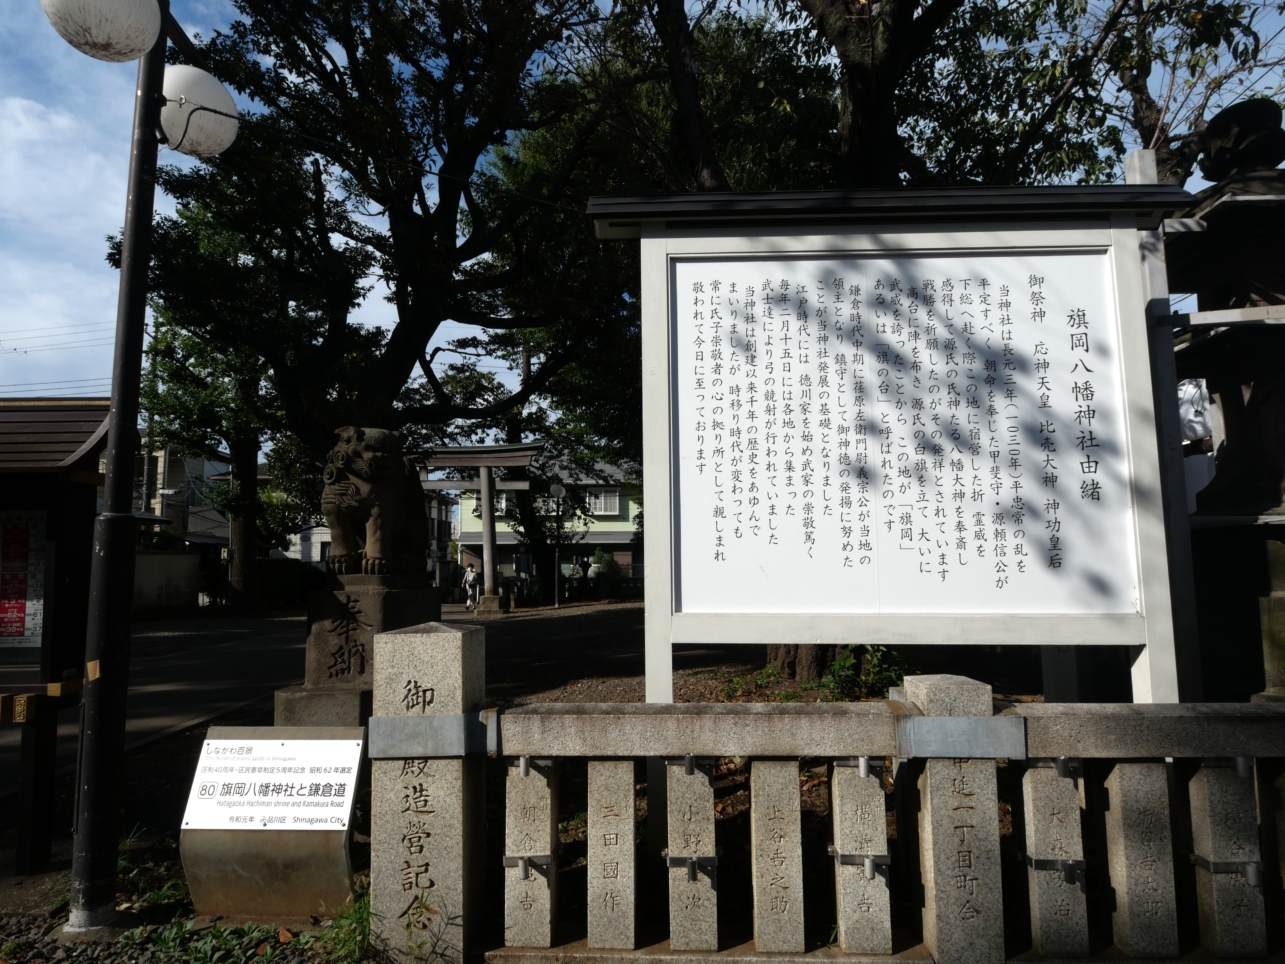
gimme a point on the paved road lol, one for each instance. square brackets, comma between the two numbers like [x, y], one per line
[184, 671]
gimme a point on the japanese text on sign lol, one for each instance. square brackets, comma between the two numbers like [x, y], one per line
[921, 434]
[273, 785]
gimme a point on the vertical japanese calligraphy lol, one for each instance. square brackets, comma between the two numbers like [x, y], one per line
[884, 435]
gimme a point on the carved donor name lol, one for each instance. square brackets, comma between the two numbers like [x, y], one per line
[374, 505]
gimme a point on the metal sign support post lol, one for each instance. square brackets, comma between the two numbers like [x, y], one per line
[1140, 168]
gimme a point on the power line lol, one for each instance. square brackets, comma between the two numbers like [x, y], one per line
[55, 381]
[92, 333]
[28, 351]
[83, 324]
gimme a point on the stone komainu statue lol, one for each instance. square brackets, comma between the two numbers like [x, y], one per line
[374, 505]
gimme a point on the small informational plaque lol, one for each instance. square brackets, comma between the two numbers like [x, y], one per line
[274, 785]
[22, 580]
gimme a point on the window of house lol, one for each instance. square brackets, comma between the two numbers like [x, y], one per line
[604, 501]
[325, 550]
[500, 504]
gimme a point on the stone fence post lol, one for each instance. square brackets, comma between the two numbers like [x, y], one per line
[959, 834]
[427, 812]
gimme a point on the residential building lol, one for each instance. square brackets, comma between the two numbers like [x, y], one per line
[608, 523]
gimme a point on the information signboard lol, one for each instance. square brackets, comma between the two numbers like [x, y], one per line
[902, 435]
[252, 784]
[935, 434]
[22, 585]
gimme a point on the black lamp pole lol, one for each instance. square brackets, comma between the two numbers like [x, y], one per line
[111, 580]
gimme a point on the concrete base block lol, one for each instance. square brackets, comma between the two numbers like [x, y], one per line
[266, 874]
[322, 706]
[493, 604]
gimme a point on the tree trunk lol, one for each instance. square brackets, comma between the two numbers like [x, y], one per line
[243, 522]
[674, 29]
[803, 664]
[812, 663]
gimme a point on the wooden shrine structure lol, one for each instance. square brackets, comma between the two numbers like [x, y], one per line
[49, 449]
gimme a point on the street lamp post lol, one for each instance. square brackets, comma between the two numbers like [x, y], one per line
[557, 491]
[119, 31]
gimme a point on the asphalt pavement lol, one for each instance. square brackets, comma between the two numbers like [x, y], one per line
[184, 671]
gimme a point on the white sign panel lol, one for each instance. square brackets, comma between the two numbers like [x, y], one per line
[920, 434]
[273, 785]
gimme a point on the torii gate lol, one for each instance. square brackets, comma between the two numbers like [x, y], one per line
[484, 458]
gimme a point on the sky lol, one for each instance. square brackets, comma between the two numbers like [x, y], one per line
[64, 159]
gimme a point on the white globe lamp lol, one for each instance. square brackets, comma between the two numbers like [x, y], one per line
[111, 30]
[199, 117]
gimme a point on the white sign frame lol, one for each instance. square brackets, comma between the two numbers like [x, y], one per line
[1149, 632]
[245, 764]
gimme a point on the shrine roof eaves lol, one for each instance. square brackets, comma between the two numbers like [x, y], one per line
[623, 217]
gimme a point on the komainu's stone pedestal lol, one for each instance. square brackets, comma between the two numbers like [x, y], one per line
[339, 663]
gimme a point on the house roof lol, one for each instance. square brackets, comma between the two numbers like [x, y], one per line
[47, 434]
[623, 217]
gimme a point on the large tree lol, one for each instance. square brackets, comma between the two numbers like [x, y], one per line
[402, 104]
[251, 300]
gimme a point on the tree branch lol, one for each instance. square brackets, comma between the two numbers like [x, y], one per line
[1036, 129]
[437, 413]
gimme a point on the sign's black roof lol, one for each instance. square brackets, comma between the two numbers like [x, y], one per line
[620, 217]
[47, 434]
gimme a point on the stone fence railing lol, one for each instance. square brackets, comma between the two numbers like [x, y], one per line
[1048, 831]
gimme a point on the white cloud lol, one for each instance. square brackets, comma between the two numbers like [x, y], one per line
[64, 159]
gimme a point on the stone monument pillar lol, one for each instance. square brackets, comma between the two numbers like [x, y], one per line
[776, 855]
[374, 506]
[959, 835]
[530, 853]
[863, 903]
[612, 855]
[1229, 869]
[1055, 863]
[428, 814]
[693, 874]
[1140, 860]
